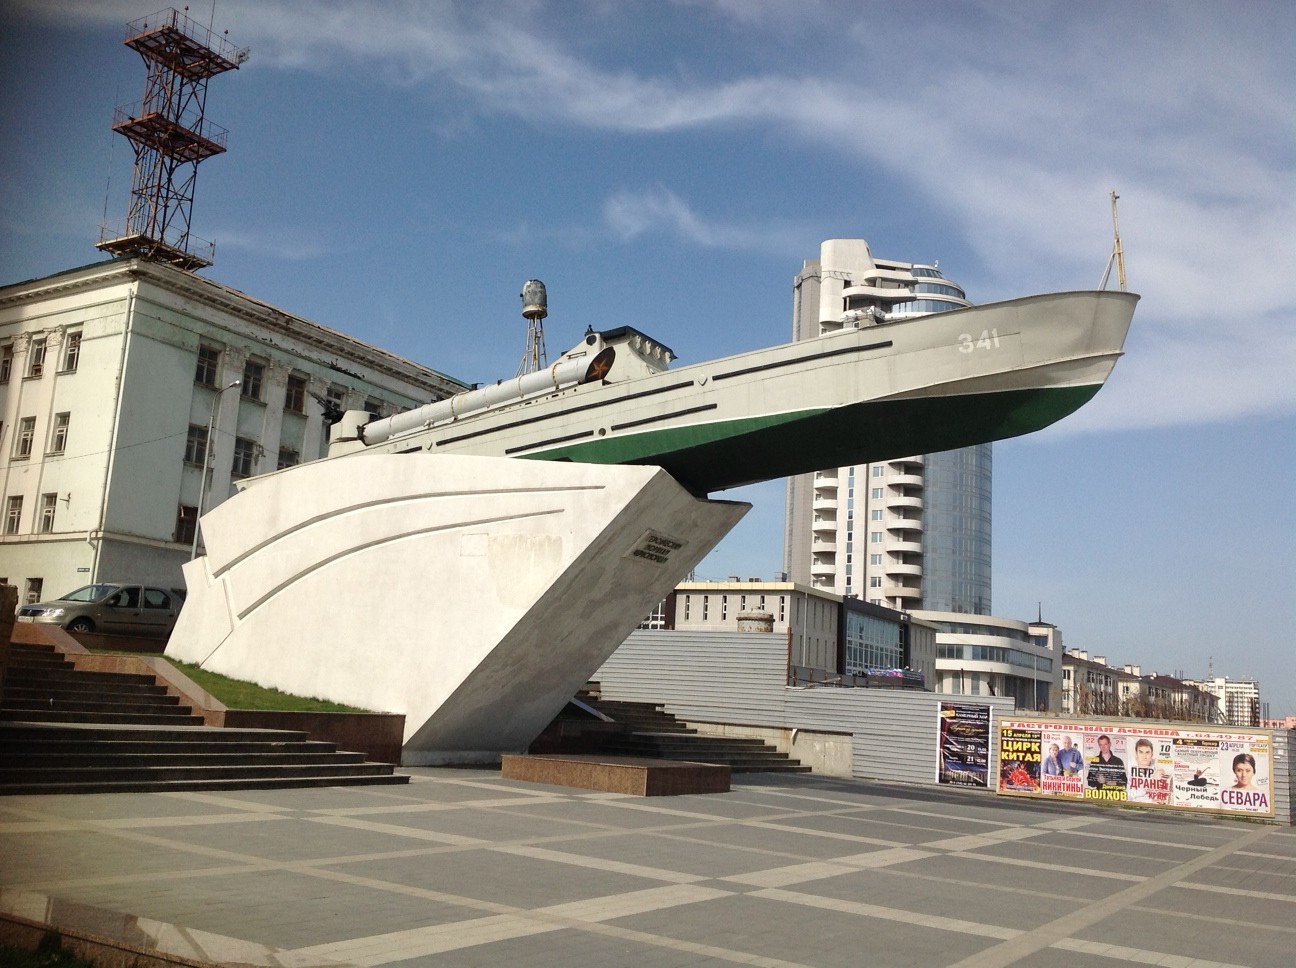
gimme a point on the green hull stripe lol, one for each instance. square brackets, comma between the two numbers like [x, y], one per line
[710, 457]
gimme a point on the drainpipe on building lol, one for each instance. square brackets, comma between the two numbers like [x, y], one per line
[96, 537]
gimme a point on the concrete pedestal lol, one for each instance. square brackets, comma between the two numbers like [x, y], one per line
[474, 595]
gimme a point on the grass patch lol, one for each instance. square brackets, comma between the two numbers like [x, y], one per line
[237, 694]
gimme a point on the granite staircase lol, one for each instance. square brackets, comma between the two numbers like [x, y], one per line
[645, 729]
[69, 731]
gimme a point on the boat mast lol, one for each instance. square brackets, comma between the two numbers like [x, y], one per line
[1117, 256]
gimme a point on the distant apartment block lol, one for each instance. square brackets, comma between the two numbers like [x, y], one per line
[1237, 701]
[910, 533]
[1092, 687]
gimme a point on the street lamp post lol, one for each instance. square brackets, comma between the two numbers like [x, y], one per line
[208, 450]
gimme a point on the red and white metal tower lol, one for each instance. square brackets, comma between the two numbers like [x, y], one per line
[170, 136]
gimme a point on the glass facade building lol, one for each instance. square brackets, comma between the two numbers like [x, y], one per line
[910, 533]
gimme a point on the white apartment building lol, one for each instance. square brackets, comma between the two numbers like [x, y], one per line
[1237, 700]
[910, 533]
[123, 382]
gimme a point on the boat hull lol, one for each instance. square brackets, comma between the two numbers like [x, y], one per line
[914, 386]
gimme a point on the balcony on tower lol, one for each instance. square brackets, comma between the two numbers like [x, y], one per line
[171, 137]
[183, 46]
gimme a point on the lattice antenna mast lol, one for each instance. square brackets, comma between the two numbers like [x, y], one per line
[535, 307]
[170, 135]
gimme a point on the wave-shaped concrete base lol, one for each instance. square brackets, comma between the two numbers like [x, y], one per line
[474, 595]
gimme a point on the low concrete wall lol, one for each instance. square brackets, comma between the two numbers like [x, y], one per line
[827, 754]
[8, 606]
[145, 645]
[378, 735]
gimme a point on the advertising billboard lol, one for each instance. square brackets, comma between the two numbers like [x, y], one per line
[1182, 768]
[963, 735]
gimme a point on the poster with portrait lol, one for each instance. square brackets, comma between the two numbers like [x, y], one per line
[1223, 772]
[1179, 768]
[1104, 756]
[1151, 767]
[1062, 763]
[963, 757]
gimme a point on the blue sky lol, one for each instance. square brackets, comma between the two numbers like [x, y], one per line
[397, 170]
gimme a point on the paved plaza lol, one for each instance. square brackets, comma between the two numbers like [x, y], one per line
[463, 867]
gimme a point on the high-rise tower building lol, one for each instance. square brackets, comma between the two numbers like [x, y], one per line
[909, 533]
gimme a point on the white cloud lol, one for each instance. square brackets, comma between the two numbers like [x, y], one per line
[290, 245]
[1014, 120]
[630, 214]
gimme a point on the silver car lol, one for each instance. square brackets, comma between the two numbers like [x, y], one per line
[111, 608]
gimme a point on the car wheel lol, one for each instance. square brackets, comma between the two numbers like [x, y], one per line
[80, 625]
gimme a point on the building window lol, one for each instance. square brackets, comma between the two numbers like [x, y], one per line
[875, 581]
[208, 364]
[875, 559]
[336, 396]
[288, 458]
[36, 359]
[6, 362]
[13, 514]
[48, 504]
[876, 494]
[196, 445]
[373, 407]
[71, 352]
[724, 608]
[186, 524]
[875, 514]
[253, 375]
[706, 603]
[688, 606]
[58, 435]
[244, 457]
[35, 588]
[878, 470]
[26, 434]
[875, 537]
[295, 395]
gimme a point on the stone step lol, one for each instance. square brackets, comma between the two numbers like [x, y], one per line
[190, 771]
[27, 761]
[167, 786]
[79, 687]
[26, 697]
[37, 660]
[17, 732]
[63, 748]
[69, 675]
[700, 747]
[736, 764]
[164, 706]
[139, 719]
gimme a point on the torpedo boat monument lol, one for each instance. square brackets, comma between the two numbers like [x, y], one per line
[470, 563]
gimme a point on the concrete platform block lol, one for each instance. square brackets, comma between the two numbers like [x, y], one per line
[636, 775]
